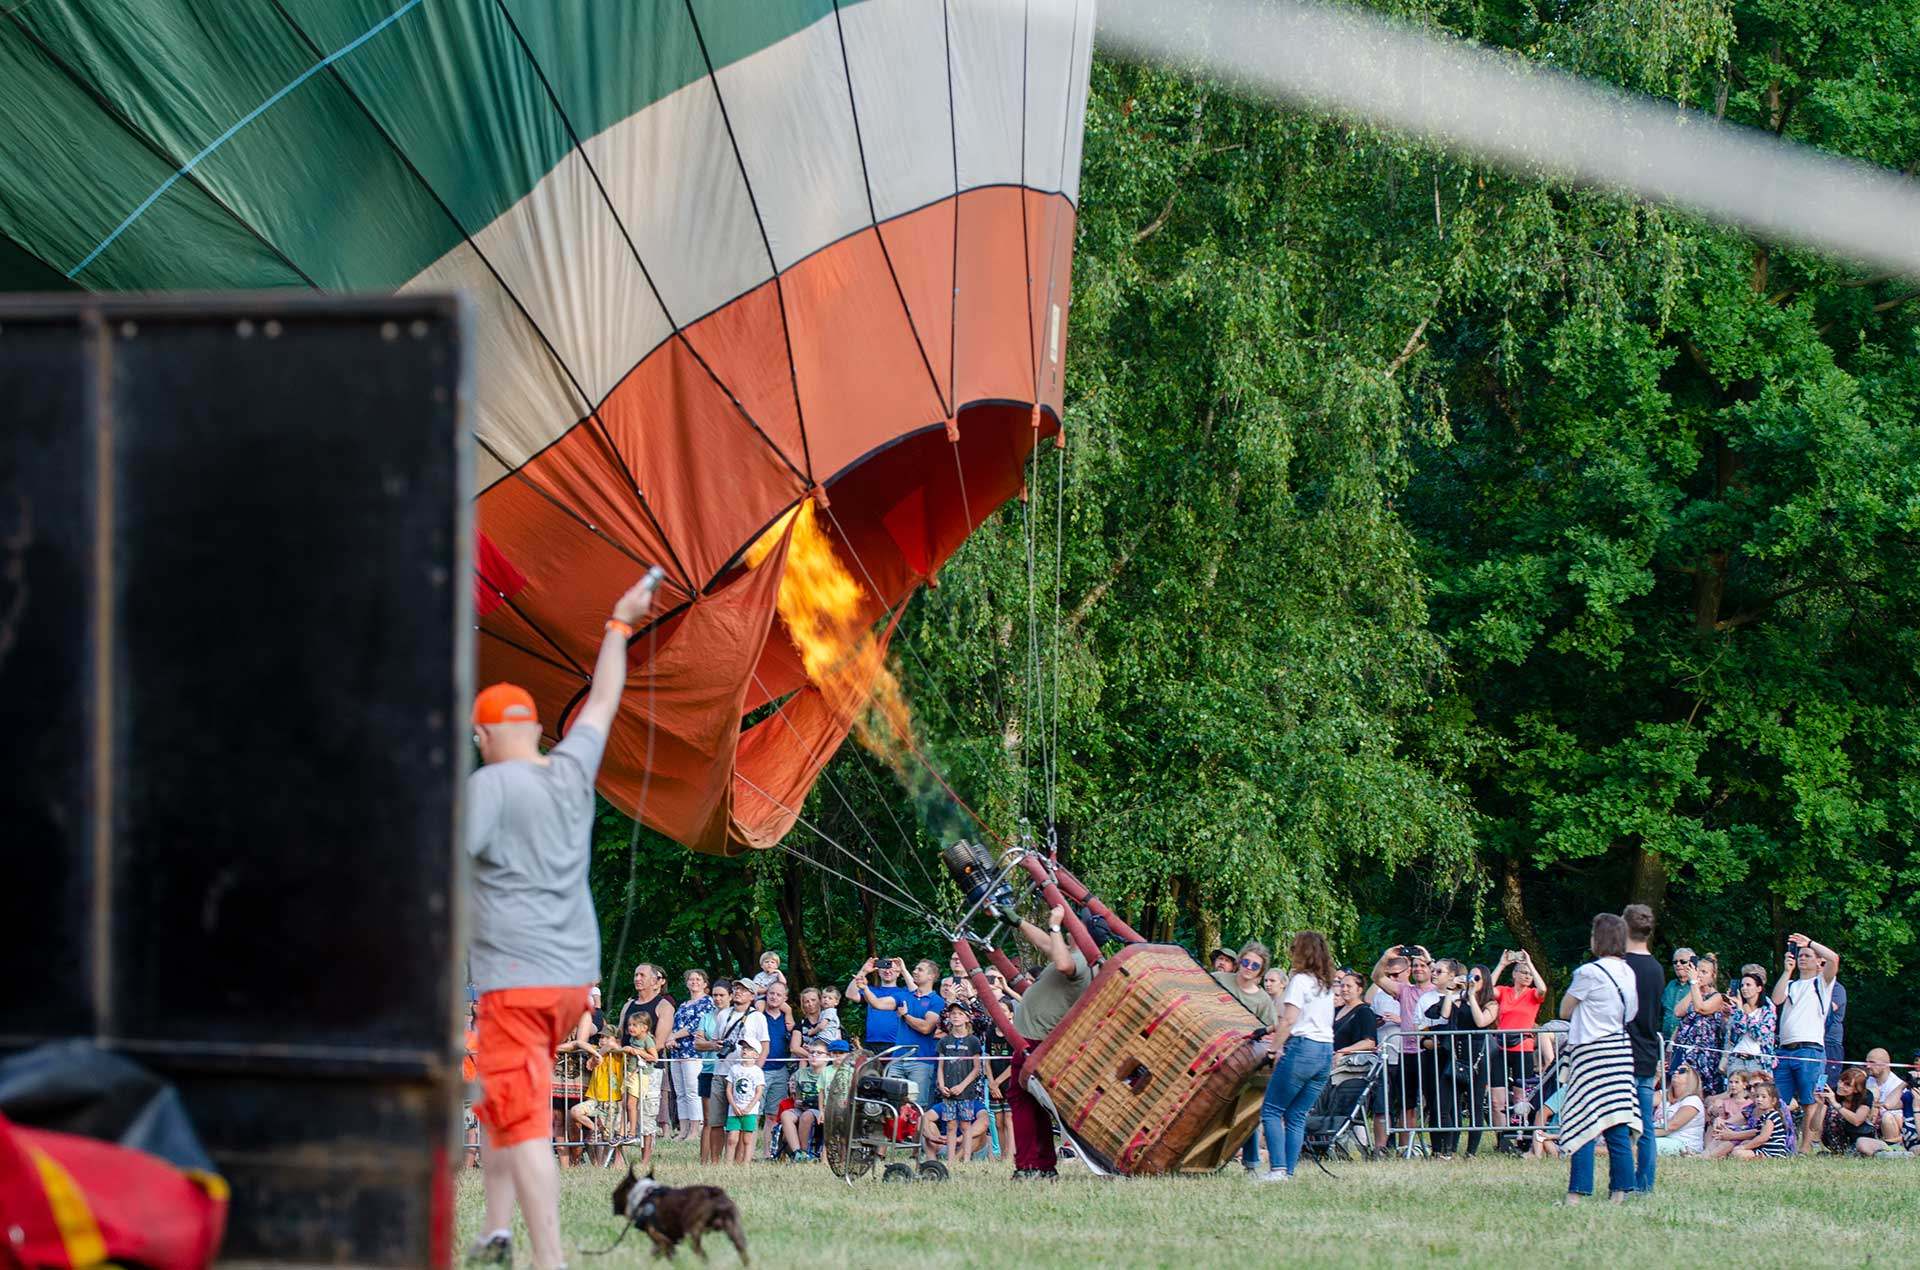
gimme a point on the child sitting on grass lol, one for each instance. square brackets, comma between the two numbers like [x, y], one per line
[643, 1083]
[1733, 1117]
[746, 1087]
[1770, 1138]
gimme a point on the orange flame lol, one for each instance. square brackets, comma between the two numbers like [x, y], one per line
[820, 603]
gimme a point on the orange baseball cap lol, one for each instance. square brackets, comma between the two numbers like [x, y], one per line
[504, 703]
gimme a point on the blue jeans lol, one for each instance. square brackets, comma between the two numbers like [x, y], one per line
[1648, 1148]
[1619, 1164]
[1801, 1074]
[1297, 1080]
[918, 1070]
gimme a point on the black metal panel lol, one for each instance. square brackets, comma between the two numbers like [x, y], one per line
[253, 657]
[46, 678]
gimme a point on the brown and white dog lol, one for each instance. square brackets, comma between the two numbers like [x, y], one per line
[670, 1214]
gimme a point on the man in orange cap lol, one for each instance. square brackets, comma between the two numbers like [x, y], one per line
[535, 939]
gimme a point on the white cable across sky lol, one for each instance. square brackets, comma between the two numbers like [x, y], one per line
[1520, 114]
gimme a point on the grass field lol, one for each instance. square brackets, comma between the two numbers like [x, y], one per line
[1817, 1211]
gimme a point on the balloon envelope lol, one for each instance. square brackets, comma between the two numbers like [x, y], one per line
[723, 257]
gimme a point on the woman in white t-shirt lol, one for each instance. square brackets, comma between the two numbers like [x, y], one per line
[1600, 1099]
[1683, 1125]
[1305, 1046]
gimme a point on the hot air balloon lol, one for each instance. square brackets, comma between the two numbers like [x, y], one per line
[740, 272]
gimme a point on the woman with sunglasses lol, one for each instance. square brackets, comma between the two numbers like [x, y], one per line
[1512, 1064]
[1466, 1009]
[1700, 1038]
[1753, 1026]
[1245, 984]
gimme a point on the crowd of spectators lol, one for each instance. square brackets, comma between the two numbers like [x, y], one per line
[1448, 1051]
[739, 1065]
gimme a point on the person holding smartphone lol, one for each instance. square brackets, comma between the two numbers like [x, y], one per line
[881, 1002]
[1804, 996]
[1519, 1005]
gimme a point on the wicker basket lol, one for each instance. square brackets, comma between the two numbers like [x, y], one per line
[1155, 1069]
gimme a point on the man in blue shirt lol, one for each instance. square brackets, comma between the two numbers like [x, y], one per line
[777, 1062]
[880, 1004]
[920, 1014]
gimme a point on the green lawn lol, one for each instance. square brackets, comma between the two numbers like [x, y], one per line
[1817, 1211]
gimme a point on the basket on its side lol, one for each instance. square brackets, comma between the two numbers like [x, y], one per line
[1155, 1069]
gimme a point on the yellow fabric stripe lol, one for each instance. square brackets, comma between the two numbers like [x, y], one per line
[72, 1215]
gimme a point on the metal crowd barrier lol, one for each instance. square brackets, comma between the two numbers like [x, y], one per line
[1471, 1083]
[1462, 1084]
[608, 1134]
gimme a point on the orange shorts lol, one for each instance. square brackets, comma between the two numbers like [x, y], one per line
[520, 1028]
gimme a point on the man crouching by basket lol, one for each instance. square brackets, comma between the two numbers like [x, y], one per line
[1053, 993]
[536, 941]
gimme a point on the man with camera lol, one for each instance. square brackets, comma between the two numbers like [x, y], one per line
[1804, 995]
[882, 1004]
[1404, 972]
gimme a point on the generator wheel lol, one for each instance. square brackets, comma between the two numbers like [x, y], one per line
[897, 1173]
[933, 1171]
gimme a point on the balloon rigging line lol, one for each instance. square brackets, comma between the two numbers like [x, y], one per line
[1032, 702]
[897, 884]
[914, 911]
[873, 213]
[1051, 718]
[1059, 534]
[126, 124]
[941, 780]
[886, 804]
[827, 776]
[909, 904]
[766, 241]
[906, 738]
[646, 781]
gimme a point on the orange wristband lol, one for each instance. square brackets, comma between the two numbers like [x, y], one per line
[615, 624]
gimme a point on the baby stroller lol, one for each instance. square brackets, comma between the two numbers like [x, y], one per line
[1337, 1124]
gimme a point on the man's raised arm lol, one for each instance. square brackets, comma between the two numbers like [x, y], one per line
[610, 667]
[1829, 959]
[1051, 941]
[1379, 975]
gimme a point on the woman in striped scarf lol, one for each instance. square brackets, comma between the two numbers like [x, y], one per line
[1601, 1099]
